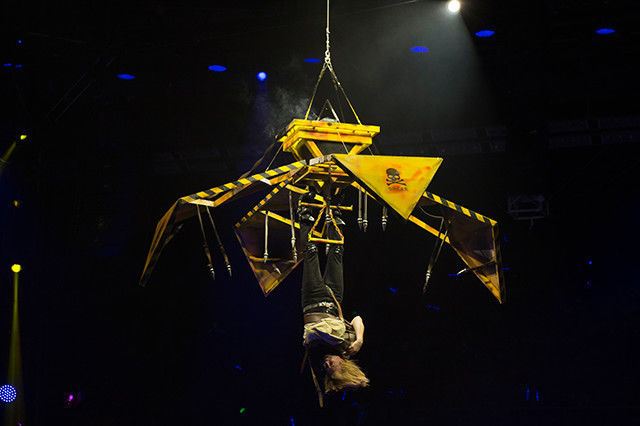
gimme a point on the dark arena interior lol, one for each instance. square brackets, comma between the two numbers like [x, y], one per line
[112, 110]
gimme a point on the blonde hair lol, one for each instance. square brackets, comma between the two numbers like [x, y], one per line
[350, 376]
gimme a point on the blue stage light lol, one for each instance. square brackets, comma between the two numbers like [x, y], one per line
[419, 49]
[261, 76]
[393, 290]
[217, 68]
[485, 33]
[7, 65]
[8, 393]
[312, 60]
[126, 76]
[605, 31]
[19, 41]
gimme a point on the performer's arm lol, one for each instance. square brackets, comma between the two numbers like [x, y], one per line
[358, 326]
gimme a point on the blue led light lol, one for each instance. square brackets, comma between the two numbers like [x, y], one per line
[605, 31]
[419, 49]
[393, 290]
[126, 76]
[485, 33]
[312, 61]
[8, 393]
[261, 76]
[217, 68]
[19, 41]
[238, 368]
[18, 65]
[7, 65]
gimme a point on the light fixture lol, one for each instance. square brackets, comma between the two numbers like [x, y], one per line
[261, 76]
[485, 33]
[8, 393]
[454, 6]
[217, 68]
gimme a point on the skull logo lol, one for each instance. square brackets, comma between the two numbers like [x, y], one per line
[393, 177]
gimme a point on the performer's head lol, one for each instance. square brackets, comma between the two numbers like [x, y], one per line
[342, 374]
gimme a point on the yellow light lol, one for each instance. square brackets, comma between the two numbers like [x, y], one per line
[16, 203]
[23, 137]
[16, 268]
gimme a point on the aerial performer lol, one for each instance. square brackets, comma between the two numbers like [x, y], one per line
[330, 159]
[330, 341]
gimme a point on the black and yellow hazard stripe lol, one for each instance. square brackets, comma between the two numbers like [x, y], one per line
[459, 208]
[167, 227]
[262, 202]
[206, 194]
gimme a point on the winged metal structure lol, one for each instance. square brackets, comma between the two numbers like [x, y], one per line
[330, 158]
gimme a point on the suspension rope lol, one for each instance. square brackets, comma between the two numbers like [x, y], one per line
[327, 66]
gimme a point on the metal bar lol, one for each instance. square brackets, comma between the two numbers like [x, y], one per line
[293, 230]
[266, 236]
[220, 246]
[205, 246]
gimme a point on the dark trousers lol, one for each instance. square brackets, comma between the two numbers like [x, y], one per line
[314, 289]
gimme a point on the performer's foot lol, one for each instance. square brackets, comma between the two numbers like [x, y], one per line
[305, 213]
[337, 213]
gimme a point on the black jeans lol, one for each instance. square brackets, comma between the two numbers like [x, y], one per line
[314, 285]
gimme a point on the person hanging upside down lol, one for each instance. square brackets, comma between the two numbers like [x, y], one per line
[330, 341]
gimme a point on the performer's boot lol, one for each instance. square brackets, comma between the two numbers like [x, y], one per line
[337, 200]
[305, 213]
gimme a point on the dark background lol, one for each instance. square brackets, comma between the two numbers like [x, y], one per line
[545, 106]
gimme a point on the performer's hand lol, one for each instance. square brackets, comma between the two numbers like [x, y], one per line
[355, 347]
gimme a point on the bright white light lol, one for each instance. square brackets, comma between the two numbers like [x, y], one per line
[454, 6]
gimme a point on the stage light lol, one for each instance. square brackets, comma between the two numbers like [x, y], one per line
[605, 31]
[261, 76]
[419, 49]
[485, 33]
[126, 76]
[16, 268]
[312, 61]
[393, 290]
[7, 65]
[19, 41]
[23, 137]
[8, 393]
[18, 65]
[242, 410]
[238, 368]
[454, 6]
[217, 68]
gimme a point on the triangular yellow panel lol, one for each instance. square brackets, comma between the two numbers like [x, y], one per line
[398, 181]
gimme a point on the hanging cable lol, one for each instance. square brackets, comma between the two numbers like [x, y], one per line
[274, 157]
[327, 66]
[220, 246]
[435, 254]
[205, 246]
